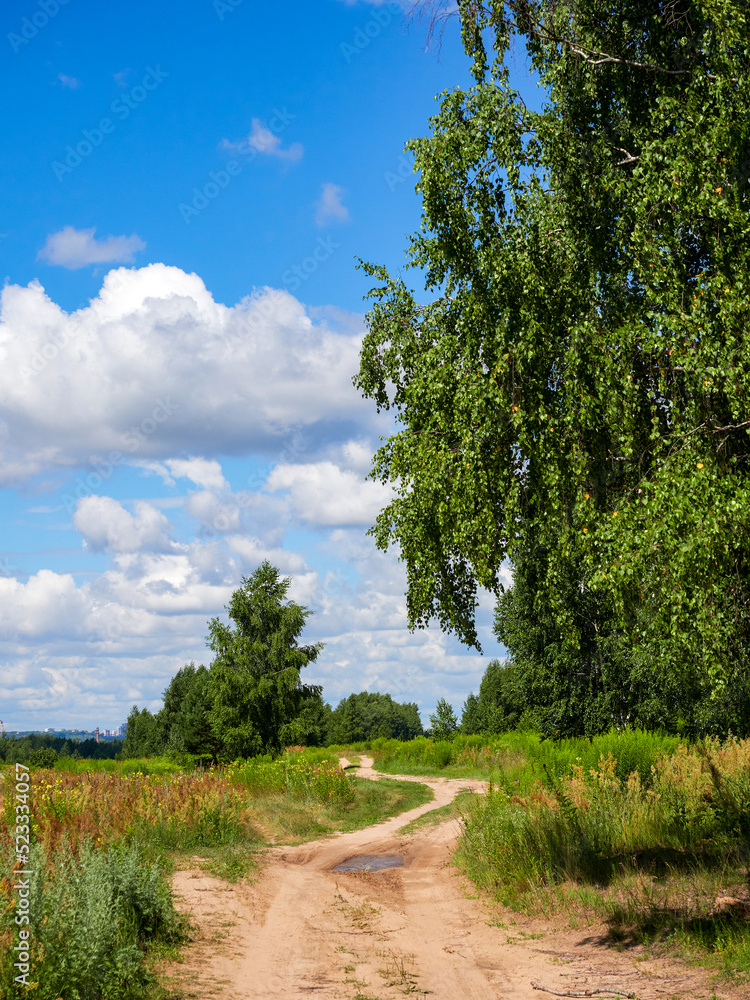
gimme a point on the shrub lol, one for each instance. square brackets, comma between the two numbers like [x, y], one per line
[94, 914]
[43, 757]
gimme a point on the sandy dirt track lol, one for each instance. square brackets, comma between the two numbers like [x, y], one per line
[302, 930]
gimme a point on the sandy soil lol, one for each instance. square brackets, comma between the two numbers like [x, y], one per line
[302, 930]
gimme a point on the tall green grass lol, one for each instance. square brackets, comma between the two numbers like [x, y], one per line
[156, 765]
[303, 773]
[587, 823]
[659, 850]
[523, 756]
[94, 914]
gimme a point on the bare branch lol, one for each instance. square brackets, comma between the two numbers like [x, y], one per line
[730, 427]
[580, 993]
[629, 158]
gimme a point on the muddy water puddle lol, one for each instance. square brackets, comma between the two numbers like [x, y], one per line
[370, 863]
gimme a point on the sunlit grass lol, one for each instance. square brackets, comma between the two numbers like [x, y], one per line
[653, 859]
[453, 810]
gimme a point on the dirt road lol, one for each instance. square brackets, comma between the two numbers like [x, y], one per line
[303, 930]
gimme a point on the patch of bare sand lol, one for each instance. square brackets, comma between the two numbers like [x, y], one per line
[303, 930]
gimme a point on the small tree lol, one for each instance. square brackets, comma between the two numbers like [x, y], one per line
[142, 737]
[444, 722]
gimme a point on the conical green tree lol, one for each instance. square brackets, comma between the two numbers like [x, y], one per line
[255, 689]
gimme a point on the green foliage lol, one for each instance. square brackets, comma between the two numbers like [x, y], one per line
[463, 755]
[500, 704]
[523, 758]
[561, 688]
[143, 737]
[188, 725]
[184, 722]
[255, 688]
[444, 722]
[303, 773]
[578, 383]
[310, 725]
[14, 749]
[154, 765]
[93, 917]
[44, 757]
[250, 700]
[370, 715]
[585, 825]
[631, 750]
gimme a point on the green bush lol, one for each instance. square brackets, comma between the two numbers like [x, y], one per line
[93, 917]
[43, 757]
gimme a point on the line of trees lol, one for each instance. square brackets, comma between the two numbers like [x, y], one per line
[43, 749]
[251, 699]
[605, 680]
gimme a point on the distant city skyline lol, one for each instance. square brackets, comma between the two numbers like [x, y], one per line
[117, 733]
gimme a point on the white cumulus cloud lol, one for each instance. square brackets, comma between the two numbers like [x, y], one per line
[154, 369]
[75, 248]
[205, 472]
[323, 493]
[106, 525]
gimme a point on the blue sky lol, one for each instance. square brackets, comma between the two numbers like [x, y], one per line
[186, 190]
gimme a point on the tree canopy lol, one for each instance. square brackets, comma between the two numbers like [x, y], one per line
[369, 714]
[255, 687]
[579, 381]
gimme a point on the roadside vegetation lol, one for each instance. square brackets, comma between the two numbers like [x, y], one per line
[106, 836]
[523, 757]
[647, 832]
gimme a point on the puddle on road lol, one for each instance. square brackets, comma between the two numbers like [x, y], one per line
[370, 863]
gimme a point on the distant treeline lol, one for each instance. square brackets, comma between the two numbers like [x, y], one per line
[185, 724]
[45, 748]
